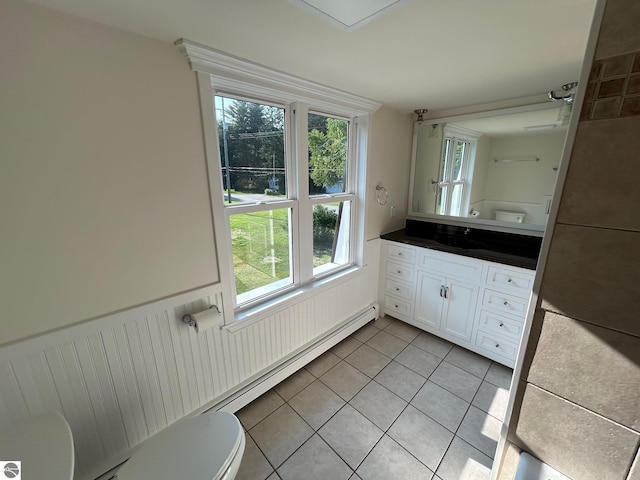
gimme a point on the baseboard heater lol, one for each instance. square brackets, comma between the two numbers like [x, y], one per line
[274, 376]
[277, 374]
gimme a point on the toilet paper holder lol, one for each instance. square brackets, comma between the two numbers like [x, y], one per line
[189, 320]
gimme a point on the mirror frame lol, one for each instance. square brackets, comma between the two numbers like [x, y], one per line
[530, 229]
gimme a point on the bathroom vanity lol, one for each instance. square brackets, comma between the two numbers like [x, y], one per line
[467, 285]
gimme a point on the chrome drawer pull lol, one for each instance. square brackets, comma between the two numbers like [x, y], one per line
[502, 324]
[497, 345]
[506, 303]
[509, 281]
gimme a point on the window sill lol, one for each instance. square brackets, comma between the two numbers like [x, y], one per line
[254, 314]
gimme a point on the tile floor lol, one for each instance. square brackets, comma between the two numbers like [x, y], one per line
[389, 402]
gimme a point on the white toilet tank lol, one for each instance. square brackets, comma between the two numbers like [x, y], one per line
[509, 216]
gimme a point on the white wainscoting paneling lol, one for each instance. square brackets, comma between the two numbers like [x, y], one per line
[121, 378]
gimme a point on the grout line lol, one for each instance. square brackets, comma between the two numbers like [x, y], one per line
[385, 431]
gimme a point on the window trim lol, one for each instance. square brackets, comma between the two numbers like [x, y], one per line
[220, 74]
[471, 138]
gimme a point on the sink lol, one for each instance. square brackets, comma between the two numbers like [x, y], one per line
[458, 241]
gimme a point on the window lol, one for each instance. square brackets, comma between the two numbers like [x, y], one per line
[251, 137]
[455, 170]
[268, 201]
[330, 197]
[286, 162]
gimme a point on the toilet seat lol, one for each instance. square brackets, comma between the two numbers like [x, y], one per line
[202, 447]
[43, 444]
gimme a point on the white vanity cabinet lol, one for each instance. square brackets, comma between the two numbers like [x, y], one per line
[477, 304]
[399, 280]
[447, 292]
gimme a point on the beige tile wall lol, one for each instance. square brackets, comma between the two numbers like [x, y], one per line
[578, 400]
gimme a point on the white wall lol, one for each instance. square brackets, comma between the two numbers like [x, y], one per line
[429, 151]
[524, 182]
[480, 169]
[389, 165]
[103, 187]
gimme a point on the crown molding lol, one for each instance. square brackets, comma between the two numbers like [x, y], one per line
[230, 73]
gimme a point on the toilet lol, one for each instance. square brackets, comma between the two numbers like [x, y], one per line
[508, 216]
[203, 447]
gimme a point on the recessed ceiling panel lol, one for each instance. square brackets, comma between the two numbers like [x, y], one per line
[348, 14]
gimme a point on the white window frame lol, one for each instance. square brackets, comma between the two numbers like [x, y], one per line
[471, 138]
[219, 74]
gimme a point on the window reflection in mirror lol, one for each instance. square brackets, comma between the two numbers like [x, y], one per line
[502, 167]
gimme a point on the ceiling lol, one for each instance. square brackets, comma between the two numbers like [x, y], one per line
[435, 54]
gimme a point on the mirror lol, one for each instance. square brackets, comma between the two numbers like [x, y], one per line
[497, 167]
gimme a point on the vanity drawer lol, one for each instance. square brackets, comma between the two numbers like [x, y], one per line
[450, 265]
[505, 302]
[399, 271]
[399, 289]
[517, 281]
[395, 306]
[401, 253]
[494, 345]
[500, 324]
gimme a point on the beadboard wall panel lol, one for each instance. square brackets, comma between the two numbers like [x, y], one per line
[121, 378]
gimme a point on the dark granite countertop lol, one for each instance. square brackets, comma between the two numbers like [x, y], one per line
[506, 248]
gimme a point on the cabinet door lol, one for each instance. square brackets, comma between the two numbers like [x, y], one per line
[459, 309]
[429, 300]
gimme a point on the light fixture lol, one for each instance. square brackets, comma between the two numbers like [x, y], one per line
[420, 112]
[348, 14]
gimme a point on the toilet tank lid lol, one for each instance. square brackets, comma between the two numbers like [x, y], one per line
[42, 443]
[197, 448]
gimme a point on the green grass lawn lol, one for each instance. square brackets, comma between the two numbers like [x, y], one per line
[261, 248]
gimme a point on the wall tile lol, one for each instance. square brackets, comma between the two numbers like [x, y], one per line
[573, 440]
[592, 275]
[630, 106]
[602, 182]
[607, 108]
[606, 381]
[619, 31]
[611, 88]
[616, 66]
[633, 86]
